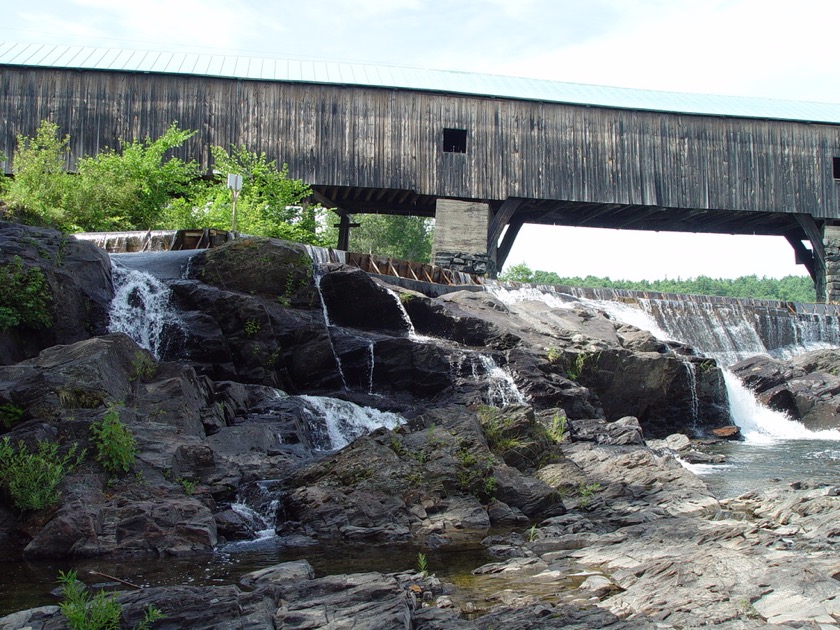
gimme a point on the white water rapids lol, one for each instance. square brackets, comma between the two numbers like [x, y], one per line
[726, 334]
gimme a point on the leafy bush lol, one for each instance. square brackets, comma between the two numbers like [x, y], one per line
[40, 183]
[403, 237]
[141, 185]
[143, 366]
[98, 612]
[25, 296]
[10, 415]
[115, 445]
[269, 204]
[132, 187]
[32, 478]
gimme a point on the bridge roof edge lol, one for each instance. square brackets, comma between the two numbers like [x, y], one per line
[393, 77]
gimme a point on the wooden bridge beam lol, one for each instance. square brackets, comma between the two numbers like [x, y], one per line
[507, 242]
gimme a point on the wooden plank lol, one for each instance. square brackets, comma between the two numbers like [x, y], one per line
[390, 139]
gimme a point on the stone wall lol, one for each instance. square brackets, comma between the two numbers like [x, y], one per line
[831, 240]
[461, 236]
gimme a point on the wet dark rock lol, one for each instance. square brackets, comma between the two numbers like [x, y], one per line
[78, 279]
[444, 319]
[806, 388]
[354, 300]
[664, 392]
[259, 266]
[254, 340]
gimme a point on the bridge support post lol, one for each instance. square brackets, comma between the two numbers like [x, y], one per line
[461, 236]
[831, 271]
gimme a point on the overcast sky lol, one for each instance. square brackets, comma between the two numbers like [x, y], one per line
[764, 48]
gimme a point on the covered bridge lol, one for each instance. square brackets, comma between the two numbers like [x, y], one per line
[483, 154]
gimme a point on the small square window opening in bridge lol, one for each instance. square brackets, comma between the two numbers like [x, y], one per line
[836, 167]
[455, 140]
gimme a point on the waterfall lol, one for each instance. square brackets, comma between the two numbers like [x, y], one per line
[691, 373]
[328, 326]
[762, 425]
[501, 388]
[141, 309]
[334, 423]
[412, 333]
[263, 514]
[726, 330]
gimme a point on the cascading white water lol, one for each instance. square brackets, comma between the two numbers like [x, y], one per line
[501, 388]
[412, 334]
[691, 372]
[328, 325]
[761, 425]
[263, 519]
[334, 423]
[141, 309]
[724, 334]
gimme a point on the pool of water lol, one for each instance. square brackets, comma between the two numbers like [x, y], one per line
[751, 466]
[25, 584]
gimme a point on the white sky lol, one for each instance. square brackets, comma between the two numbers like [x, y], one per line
[765, 48]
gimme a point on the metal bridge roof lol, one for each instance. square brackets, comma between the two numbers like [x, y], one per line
[338, 73]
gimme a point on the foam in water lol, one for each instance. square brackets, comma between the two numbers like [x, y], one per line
[342, 421]
[761, 425]
[723, 333]
[141, 309]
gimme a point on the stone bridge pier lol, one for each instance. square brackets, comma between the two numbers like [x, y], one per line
[831, 267]
[461, 237]
[467, 234]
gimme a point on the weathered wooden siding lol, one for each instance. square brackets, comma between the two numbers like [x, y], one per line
[383, 138]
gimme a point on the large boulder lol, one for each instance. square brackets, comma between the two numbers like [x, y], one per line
[806, 388]
[353, 300]
[668, 393]
[250, 339]
[435, 476]
[76, 291]
[277, 269]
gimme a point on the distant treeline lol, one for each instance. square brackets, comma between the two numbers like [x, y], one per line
[787, 289]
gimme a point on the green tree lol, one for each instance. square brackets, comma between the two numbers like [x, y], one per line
[269, 204]
[40, 184]
[518, 273]
[787, 289]
[132, 187]
[403, 237]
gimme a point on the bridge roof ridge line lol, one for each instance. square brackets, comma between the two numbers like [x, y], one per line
[239, 66]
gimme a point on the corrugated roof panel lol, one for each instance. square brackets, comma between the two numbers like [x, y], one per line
[6, 49]
[108, 60]
[227, 66]
[36, 54]
[147, 61]
[241, 67]
[162, 62]
[409, 78]
[95, 60]
[52, 55]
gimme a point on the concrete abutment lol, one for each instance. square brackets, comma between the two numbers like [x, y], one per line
[461, 236]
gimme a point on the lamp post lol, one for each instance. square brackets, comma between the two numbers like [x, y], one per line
[234, 182]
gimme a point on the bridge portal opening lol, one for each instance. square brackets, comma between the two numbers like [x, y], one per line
[455, 141]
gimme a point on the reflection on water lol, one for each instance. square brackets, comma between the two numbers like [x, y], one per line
[755, 466]
[27, 584]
